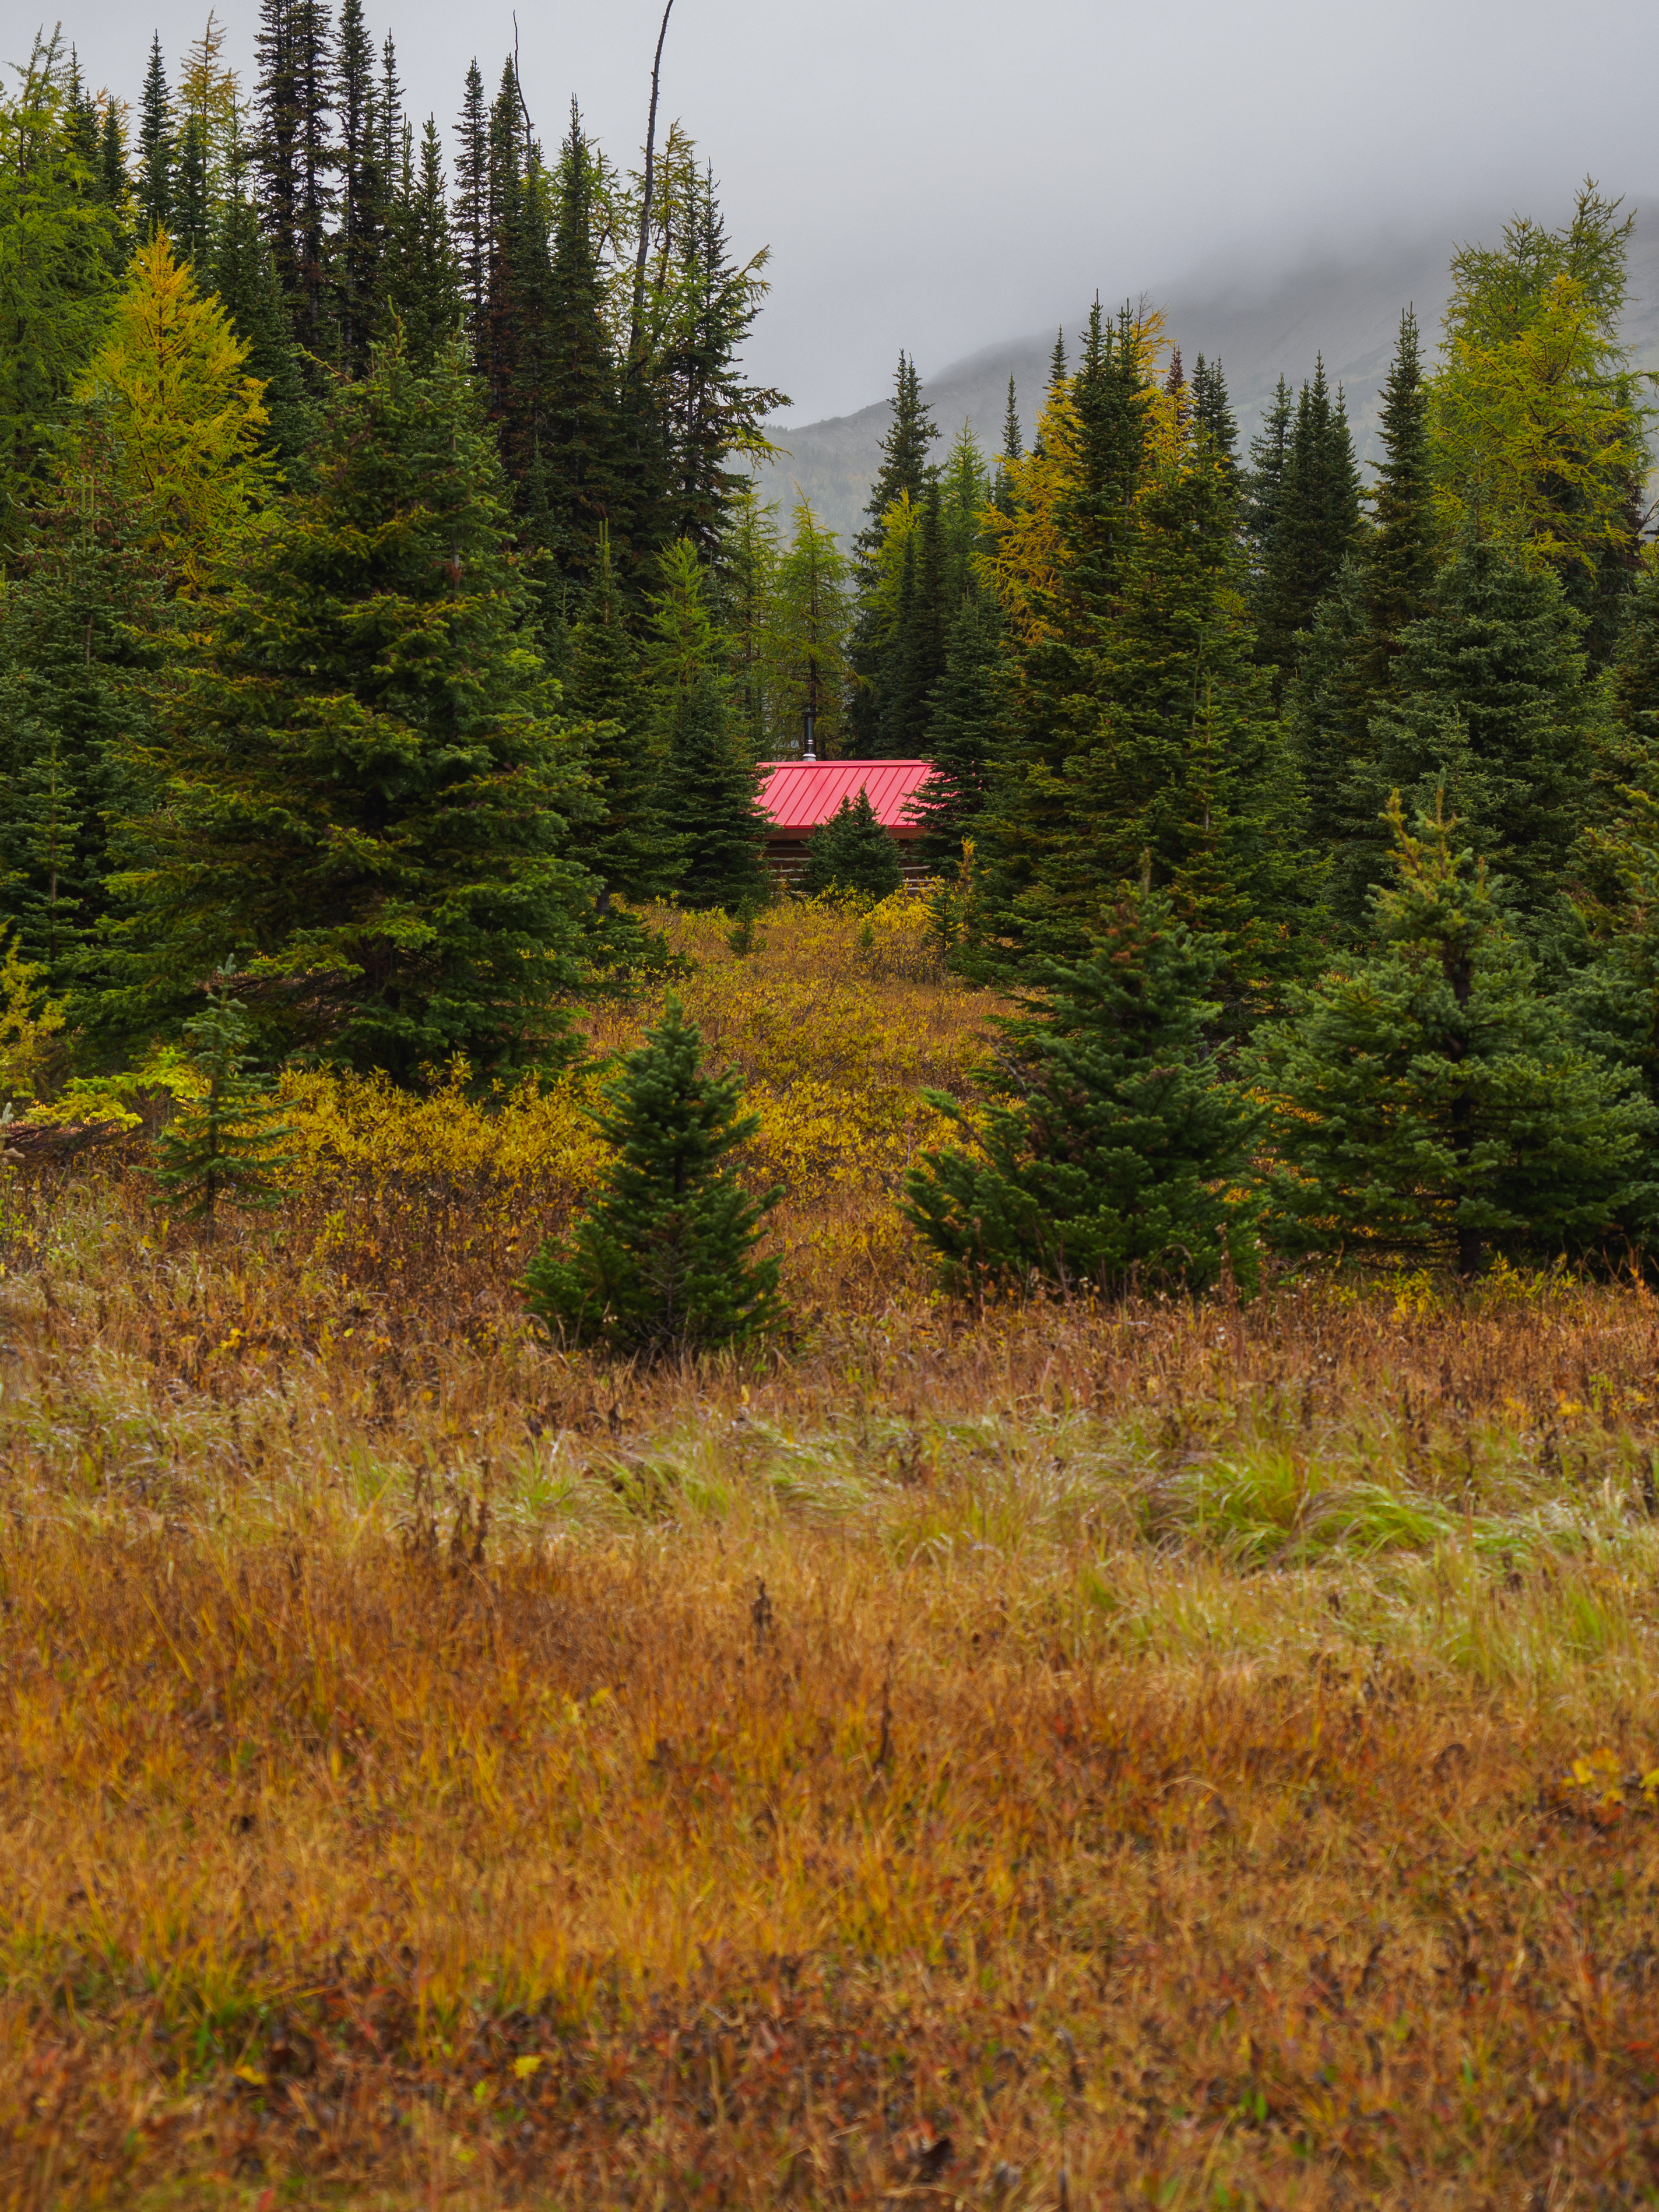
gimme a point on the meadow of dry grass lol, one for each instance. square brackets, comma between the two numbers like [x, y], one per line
[1150, 1755]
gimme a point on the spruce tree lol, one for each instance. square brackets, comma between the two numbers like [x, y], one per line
[1212, 412]
[1012, 451]
[903, 475]
[1315, 525]
[629, 847]
[365, 191]
[852, 853]
[110, 176]
[715, 811]
[243, 273]
[222, 1147]
[1432, 1105]
[1264, 484]
[366, 792]
[579, 438]
[293, 156]
[1142, 726]
[153, 194]
[661, 1262]
[82, 626]
[693, 395]
[1110, 1153]
[904, 468]
[472, 213]
[971, 706]
[1349, 669]
[418, 282]
[192, 207]
[1495, 704]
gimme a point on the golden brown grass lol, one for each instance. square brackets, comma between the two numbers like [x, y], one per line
[1053, 1756]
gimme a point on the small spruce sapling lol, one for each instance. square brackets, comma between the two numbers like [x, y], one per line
[1113, 1153]
[1432, 1104]
[661, 1261]
[851, 851]
[223, 1145]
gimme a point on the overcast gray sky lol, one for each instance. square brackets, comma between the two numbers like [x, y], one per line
[942, 176]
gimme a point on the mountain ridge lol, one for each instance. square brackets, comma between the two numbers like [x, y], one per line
[1260, 326]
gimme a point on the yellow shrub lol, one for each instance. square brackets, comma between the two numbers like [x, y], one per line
[826, 1021]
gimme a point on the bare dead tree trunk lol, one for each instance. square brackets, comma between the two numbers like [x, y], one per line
[636, 333]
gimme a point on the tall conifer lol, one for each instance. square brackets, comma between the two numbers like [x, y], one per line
[367, 789]
[154, 194]
[630, 847]
[419, 282]
[1315, 525]
[472, 211]
[365, 190]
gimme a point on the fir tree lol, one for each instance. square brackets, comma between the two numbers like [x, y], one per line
[851, 851]
[110, 176]
[662, 1261]
[1432, 1105]
[1635, 741]
[1401, 548]
[154, 195]
[916, 652]
[714, 788]
[714, 779]
[365, 788]
[1107, 1152]
[1058, 379]
[221, 1148]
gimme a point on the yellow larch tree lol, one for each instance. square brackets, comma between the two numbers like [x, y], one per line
[169, 423]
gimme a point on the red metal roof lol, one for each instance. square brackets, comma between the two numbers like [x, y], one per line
[800, 794]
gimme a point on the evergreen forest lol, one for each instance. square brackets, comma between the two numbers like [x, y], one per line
[391, 624]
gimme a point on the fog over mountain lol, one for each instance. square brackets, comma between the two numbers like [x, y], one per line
[1259, 324]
